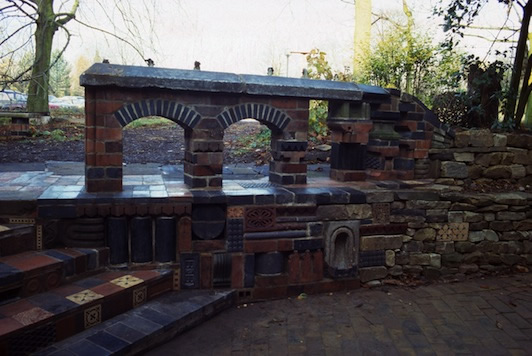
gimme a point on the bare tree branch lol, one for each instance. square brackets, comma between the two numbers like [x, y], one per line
[24, 11]
[14, 33]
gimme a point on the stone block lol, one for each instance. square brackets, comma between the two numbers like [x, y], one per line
[462, 139]
[468, 268]
[444, 247]
[464, 246]
[426, 234]
[381, 242]
[481, 225]
[451, 169]
[501, 226]
[427, 204]
[511, 215]
[332, 212]
[511, 259]
[518, 171]
[372, 273]
[498, 172]
[359, 211]
[513, 236]
[509, 198]
[419, 259]
[472, 257]
[464, 156]
[390, 258]
[527, 247]
[413, 246]
[521, 156]
[476, 236]
[474, 171]
[397, 270]
[455, 216]
[413, 269]
[380, 196]
[499, 140]
[435, 260]
[481, 138]
[472, 217]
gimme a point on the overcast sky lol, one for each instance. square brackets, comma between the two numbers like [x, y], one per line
[240, 36]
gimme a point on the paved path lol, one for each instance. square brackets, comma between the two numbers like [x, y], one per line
[480, 317]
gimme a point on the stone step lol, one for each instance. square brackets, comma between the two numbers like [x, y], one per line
[31, 272]
[146, 326]
[16, 238]
[36, 322]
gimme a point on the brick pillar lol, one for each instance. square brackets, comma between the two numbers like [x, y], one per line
[203, 157]
[288, 147]
[350, 126]
[103, 143]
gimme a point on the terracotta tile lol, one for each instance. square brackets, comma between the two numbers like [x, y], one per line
[32, 316]
[68, 290]
[8, 325]
[109, 276]
[16, 307]
[107, 289]
[66, 327]
[34, 262]
[146, 275]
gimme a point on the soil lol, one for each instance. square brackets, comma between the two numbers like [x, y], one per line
[165, 145]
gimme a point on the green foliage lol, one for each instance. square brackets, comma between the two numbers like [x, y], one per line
[152, 121]
[259, 141]
[59, 75]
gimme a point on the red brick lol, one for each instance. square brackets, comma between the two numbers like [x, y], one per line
[104, 209]
[420, 153]
[184, 227]
[114, 159]
[206, 271]
[285, 103]
[317, 261]
[306, 268]
[208, 246]
[294, 269]
[270, 293]
[112, 122]
[260, 246]
[107, 107]
[271, 281]
[117, 210]
[385, 150]
[285, 245]
[237, 271]
[155, 209]
[423, 144]
[142, 209]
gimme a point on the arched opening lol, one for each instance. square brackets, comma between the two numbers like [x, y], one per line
[153, 145]
[340, 251]
[247, 150]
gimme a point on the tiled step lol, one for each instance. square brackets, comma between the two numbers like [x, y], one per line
[16, 238]
[33, 272]
[38, 321]
[144, 327]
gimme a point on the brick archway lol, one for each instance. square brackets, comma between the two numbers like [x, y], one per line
[176, 112]
[261, 112]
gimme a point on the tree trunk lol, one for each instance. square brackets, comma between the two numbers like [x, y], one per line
[509, 114]
[44, 33]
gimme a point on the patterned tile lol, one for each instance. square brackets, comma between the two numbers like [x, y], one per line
[235, 212]
[176, 279]
[92, 316]
[453, 232]
[32, 316]
[127, 281]
[140, 295]
[84, 297]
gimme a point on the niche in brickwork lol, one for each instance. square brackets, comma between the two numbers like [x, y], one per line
[342, 247]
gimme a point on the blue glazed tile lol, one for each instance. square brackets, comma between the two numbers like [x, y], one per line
[68, 261]
[9, 274]
[156, 317]
[92, 257]
[124, 332]
[52, 303]
[108, 341]
[89, 282]
[87, 348]
[142, 325]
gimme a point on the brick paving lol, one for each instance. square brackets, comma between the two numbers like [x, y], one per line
[491, 316]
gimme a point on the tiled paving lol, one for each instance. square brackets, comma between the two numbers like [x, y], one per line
[491, 316]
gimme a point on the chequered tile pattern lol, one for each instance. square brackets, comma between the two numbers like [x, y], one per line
[127, 281]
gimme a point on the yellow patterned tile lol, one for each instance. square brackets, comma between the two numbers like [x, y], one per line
[84, 296]
[127, 281]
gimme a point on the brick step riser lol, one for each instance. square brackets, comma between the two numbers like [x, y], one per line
[18, 239]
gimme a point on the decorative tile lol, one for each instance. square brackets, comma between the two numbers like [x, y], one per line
[259, 218]
[28, 221]
[177, 279]
[453, 232]
[235, 212]
[140, 295]
[92, 316]
[127, 281]
[32, 316]
[84, 297]
[38, 238]
[381, 213]
[235, 235]
[372, 258]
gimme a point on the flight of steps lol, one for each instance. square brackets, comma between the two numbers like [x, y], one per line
[69, 301]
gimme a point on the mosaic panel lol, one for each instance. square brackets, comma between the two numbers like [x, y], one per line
[92, 316]
[235, 235]
[140, 295]
[84, 297]
[372, 258]
[127, 281]
[177, 279]
[31, 316]
[259, 218]
[38, 238]
[381, 213]
[453, 232]
[189, 270]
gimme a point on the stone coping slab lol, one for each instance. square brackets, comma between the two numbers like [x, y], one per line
[102, 74]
